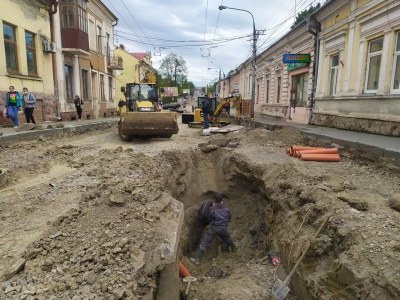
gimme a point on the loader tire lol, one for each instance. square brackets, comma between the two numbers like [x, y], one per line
[124, 138]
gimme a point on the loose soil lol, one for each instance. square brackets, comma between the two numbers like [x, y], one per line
[90, 217]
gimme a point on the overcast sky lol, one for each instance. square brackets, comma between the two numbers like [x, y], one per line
[198, 31]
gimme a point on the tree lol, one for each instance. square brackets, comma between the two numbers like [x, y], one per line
[174, 67]
[304, 14]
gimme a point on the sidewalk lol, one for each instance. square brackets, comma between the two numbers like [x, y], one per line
[379, 145]
[10, 134]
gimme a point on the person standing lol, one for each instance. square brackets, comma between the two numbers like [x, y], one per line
[13, 104]
[29, 101]
[219, 217]
[228, 107]
[201, 222]
[206, 109]
[78, 105]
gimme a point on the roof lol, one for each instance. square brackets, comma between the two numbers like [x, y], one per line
[139, 55]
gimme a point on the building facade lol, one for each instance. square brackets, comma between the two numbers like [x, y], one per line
[358, 84]
[285, 90]
[85, 60]
[25, 59]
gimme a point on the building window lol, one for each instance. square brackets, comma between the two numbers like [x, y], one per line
[67, 14]
[30, 53]
[333, 74]
[108, 44]
[69, 71]
[10, 45]
[278, 89]
[267, 92]
[300, 88]
[102, 95]
[85, 94]
[396, 68]
[99, 46]
[82, 16]
[374, 64]
[110, 88]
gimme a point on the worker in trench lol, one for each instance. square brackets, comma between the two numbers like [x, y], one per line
[219, 218]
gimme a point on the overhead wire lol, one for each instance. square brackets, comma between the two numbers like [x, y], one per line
[122, 1]
[109, 1]
[180, 46]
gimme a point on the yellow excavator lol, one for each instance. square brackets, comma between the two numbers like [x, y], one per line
[142, 116]
[218, 116]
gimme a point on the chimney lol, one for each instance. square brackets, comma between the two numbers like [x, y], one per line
[122, 47]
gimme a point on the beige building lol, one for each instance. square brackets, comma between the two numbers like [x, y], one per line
[358, 84]
[283, 90]
[86, 63]
[25, 56]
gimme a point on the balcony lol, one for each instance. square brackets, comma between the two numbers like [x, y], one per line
[75, 41]
[114, 62]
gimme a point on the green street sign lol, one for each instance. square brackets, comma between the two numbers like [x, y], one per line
[293, 66]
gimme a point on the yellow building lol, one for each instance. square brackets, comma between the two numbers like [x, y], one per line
[358, 83]
[136, 66]
[26, 54]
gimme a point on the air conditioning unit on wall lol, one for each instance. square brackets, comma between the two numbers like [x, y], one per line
[49, 47]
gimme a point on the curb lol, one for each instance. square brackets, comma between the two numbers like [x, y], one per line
[351, 144]
[54, 132]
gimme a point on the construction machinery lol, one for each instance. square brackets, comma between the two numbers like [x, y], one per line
[142, 117]
[218, 115]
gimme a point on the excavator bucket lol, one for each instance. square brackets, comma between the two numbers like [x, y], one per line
[162, 124]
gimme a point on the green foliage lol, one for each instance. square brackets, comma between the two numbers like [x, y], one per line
[304, 14]
[173, 72]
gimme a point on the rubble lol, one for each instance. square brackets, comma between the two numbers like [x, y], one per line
[111, 224]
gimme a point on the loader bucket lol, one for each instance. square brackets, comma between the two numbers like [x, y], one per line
[162, 124]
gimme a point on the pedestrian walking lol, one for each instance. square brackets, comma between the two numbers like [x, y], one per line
[219, 217]
[192, 108]
[201, 222]
[29, 101]
[13, 105]
[206, 109]
[79, 106]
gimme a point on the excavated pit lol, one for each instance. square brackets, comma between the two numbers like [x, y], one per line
[246, 273]
[273, 210]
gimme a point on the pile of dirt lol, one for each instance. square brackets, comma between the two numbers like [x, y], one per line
[90, 217]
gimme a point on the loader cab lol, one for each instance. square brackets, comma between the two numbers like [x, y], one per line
[141, 97]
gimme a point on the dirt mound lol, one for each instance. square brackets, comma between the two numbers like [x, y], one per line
[90, 217]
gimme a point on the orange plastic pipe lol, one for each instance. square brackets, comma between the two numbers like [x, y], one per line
[183, 272]
[298, 148]
[320, 157]
[318, 151]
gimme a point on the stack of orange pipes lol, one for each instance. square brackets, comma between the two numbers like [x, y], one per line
[314, 153]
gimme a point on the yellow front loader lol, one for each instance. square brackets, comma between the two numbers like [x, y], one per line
[142, 116]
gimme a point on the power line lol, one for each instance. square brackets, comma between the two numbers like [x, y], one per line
[180, 46]
[135, 20]
[185, 41]
[109, 1]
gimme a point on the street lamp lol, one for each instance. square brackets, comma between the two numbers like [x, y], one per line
[253, 86]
